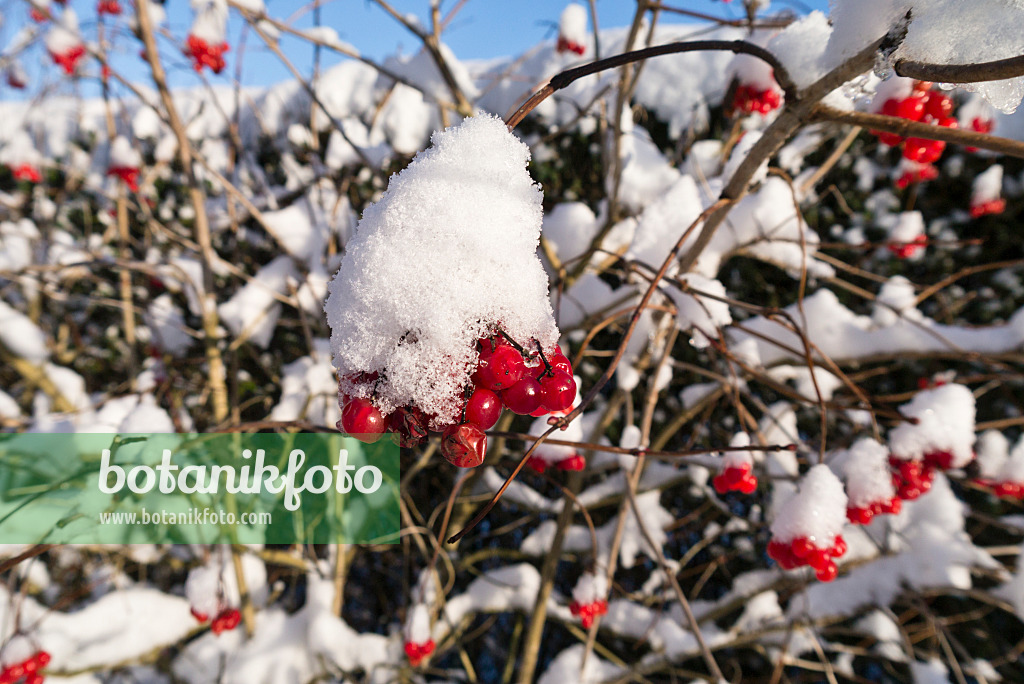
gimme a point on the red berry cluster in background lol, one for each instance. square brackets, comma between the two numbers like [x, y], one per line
[128, 174]
[566, 45]
[911, 478]
[37, 15]
[69, 59]
[905, 250]
[736, 478]
[205, 55]
[924, 105]
[587, 612]
[111, 7]
[1004, 489]
[225, 621]
[417, 653]
[993, 206]
[862, 515]
[803, 551]
[749, 99]
[27, 671]
[574, 462]
[27, 172]
[918, 174]
[502, 378]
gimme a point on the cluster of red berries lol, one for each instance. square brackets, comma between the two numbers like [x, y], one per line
[574, 462]
[38, 15]
[914, 478]
[862, 515]
[69, 59]
[750, 98]
[992, 206]
[225, 621]
[905, 250]
[566, 45]
[502, 378]
[922, 105]
[803, 551]
[918, 174]
[587, 612]
[979, 125]
[1004, 489]
[27, 172]
[27, 671]
[417, 653]
[128, 174]
[205, 55]
[735, 478]
[111, 7]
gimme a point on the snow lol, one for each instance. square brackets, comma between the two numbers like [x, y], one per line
[816, 511]
[253, 311]
[945, 418]
[211, 20]
[987, 185]
[801, 48]
[897, 299]
[20, 335]
[703, 316]
[123, 154]
[569, 228]
[568, 668]
[64, 35]
[166, 322]
[462, 219]
[865, 469]
[572, 24]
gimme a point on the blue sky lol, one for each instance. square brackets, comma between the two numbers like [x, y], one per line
[483, 28]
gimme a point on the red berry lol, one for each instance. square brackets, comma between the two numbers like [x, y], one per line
[500, 367]
[801, 547]
[827, 572]
[464, 445]
[410, 424]
[523, 397]
[748, 484]
[911, 108]
[558, 391]
[890, 139]
[818, 558]
[921, 87]
[537, 464]
[200, 617]
[362, 420]
[483, 408]
[838, 547]
[559, 361]
[892, 506]
[575, 462]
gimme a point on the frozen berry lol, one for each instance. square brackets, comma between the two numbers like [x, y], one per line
[524, 397]
[558, 391]
[500, 367]
[465, 445]
[483, 408]
[362, 420]
[410, 424]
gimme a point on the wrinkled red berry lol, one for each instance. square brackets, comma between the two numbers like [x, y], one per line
[500, 368]
[465, 445]
[410, 424]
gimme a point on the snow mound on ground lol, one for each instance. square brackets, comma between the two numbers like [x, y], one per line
[447, 254]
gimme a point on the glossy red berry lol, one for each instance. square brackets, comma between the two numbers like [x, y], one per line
[559, 361]
[500, 367]
[827, 572]
[362, 420]
[558, 391]
[939, 106]
[524, 397]
[574, 462]
[465, 445]
[483, 408]
[911, 108]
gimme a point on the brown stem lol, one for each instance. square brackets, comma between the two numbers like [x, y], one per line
[997, 70]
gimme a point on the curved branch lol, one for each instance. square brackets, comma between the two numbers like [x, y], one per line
[567, 77]
[997, 70]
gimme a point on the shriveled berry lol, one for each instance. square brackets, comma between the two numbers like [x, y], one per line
[524, 397]
[465, 445]
[410, 424]
[362, 420]
[483, 408]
